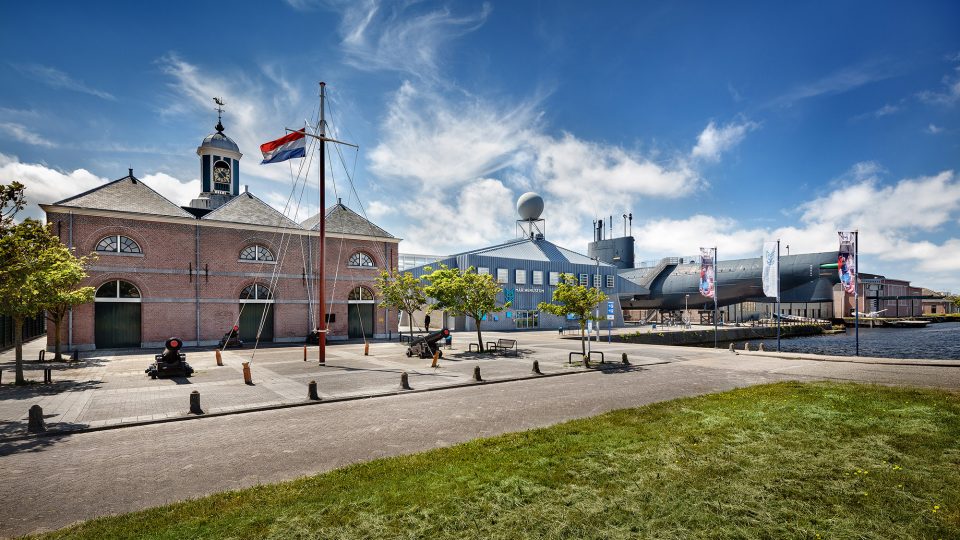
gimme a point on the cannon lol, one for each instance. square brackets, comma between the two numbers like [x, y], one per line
[170, 363]
[231, 338]
[426, 346]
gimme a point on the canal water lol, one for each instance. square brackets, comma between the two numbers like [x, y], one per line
[938, 341]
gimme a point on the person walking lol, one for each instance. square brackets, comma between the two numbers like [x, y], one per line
[426, 322]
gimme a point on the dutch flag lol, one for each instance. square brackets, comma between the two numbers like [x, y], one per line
[286, 147]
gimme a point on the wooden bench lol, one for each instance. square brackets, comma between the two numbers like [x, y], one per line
[506, 346]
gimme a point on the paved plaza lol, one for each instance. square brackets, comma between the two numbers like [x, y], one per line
[52, 481]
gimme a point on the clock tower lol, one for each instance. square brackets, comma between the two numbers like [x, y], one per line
[219, 167]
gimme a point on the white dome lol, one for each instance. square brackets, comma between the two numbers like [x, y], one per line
[530, 206]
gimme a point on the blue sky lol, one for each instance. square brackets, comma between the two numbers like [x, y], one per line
[714, 123]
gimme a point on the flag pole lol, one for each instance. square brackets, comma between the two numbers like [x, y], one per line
[856, 287]
[321, 316]
[778, 295]
[716, 290]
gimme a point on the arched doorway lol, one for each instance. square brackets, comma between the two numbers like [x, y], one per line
[256, 303]
[360, 306]
[117, 315]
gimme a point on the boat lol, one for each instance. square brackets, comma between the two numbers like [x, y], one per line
[908, 323]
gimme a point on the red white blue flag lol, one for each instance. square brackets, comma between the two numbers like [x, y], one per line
[286, 147]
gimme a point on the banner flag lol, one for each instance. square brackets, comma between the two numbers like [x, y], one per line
[847, 262]
[706, 272]
[771, 270]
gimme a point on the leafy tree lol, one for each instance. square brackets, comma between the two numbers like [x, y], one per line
[463, 293]
[62, 274]
[11, 202]
[23, 257]
[571, 297]
[402, 292]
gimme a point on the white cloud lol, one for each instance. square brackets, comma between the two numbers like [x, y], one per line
[948, 95]
[179, 192]
[57, 79]
[886, 110]
[713, 140]
[23, 134]
[933, 129]
[837, 82]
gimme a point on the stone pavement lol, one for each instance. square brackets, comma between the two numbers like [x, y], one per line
[50, 482]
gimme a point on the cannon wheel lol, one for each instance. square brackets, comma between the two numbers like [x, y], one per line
[409, 354]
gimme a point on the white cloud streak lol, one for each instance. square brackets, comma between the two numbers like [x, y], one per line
[714, 141]
[24, 135]
[57, 79]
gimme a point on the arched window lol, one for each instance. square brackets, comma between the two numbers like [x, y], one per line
[361, 260]
[256, 253]
[361, 294]
[256, 291]
[118, 290]
[118, 244]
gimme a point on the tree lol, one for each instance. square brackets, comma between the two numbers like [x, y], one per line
[11, 202]
[463, 293]
[570, 297]
[402, 292]
[23, 250]
[62, 274]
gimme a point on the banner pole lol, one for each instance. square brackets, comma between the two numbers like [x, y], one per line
[856, 287]
[716, 290]
[778, 295]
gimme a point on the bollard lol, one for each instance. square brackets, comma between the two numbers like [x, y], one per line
[41, 356]
[195, 403]
[536, 368]
[436, 360]
[623, 359]
[476, 373]
[746, 346]
[366, 349]
[760, 348]
[247, 377]
[304, 353]
[1, 376]
[405, 381]
[586, 362]
[312, 391]
[74, 356]
[731, 346]
[219, 358]
[35, 423]
[47, 375]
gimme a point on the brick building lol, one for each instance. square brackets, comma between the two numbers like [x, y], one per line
[227, 258]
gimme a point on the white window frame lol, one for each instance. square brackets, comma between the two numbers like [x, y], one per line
[520, 276]
[597, 281]
[584, 280]
[538, 277]
[483, 271]
[554, 278]
[503, 275]
[610, 282]
[256, 255]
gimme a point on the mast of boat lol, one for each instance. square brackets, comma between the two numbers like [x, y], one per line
[321, 296]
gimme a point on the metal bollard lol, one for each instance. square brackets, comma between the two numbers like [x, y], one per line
[405, 381]
[312, 391]
[75, 356]
[304, 353]
[47, 375]
[731, 346]
[536, 368]
[247, 377]
[623, 359]
[219, 358]
[195, 403]
[35, 423]
[746, 346]
[476, 373]
[760, 348]
[436, 360]
[41, 356]
[366, 349]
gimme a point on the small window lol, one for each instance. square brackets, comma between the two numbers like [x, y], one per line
[609, 282]
[502, 275]
[538, 277]
[360, 260]
[583, 280]
[256, 253]
[118, 288]
[256, 292]
[554, 278]
[483, 270]
[521, 277]
[118, 244]
[361, 294]
[597, 283]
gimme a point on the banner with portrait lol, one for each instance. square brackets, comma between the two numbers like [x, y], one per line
[707, 275]
[847, 261]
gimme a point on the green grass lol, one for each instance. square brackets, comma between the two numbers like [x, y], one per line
[787, 460]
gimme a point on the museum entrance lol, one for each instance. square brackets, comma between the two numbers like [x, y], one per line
[360, 307]
[256, 306]
[117, 315]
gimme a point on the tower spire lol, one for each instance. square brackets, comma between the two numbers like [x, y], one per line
[220, 103]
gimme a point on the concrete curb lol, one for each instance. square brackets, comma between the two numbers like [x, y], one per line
[306, 402]
[853, 359]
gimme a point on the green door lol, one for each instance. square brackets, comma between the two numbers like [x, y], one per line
[250, 316]
[359, 320]
[116, 325]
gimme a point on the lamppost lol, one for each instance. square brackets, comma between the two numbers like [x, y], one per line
[686, 313]
[596, 284]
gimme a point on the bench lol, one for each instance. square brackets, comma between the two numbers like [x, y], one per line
[506, 346]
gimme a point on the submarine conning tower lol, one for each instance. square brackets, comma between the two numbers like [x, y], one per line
[615, 251]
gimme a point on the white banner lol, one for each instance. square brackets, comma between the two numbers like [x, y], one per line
[771, 269]
[706, 273]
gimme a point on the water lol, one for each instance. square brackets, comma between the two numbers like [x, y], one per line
[937, 341]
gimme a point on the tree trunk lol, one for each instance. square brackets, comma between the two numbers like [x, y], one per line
[479, 336]
[583, 332]
[18, 342]
[56, 336]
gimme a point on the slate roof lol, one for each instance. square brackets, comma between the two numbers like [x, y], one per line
[246, 208]
[128, 194]
[530, 249]
[342, 220]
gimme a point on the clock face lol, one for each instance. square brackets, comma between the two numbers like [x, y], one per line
[221, 174]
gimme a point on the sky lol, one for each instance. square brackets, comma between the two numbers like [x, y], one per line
[721, 124]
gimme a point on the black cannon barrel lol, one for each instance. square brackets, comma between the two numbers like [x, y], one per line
[172, 347]
[434, 337]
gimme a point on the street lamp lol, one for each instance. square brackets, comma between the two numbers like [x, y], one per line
[686, 314]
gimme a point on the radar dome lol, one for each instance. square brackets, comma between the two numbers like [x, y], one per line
[530, 206]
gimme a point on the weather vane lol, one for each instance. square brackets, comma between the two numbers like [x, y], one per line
[220, 103]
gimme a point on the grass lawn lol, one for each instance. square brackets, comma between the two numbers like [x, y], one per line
[787, 460]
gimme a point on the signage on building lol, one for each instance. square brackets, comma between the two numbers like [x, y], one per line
[609, 308]
[529, 290]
